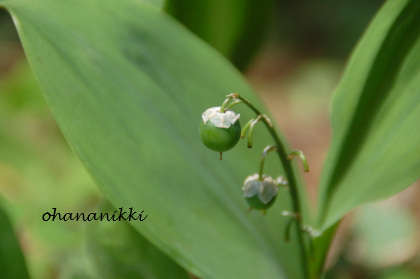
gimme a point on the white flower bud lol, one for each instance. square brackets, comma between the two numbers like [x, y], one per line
[265, 189]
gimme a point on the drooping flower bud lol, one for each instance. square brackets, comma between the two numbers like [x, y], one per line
[260, 194]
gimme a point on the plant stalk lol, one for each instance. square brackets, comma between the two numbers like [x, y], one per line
[287, 165]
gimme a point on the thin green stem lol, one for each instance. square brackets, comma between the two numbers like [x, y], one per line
[264, 154]
[288, 229]
[281, 151]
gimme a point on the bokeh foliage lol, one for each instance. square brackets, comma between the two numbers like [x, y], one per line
[136, 135]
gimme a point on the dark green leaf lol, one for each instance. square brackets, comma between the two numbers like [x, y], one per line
[12, 262]
[235, 28]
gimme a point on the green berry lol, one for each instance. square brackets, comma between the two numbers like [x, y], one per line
[220, 139]
[220, 131]
[256, 203]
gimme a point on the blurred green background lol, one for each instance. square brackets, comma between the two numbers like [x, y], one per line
[294, 71]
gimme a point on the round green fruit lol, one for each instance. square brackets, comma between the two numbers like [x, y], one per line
[219, 139]
[256, 203]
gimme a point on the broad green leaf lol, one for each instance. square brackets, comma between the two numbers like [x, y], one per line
[235, 28]
[119, 251]
[127, 85]
[321, 245]
[375, 116]
[12, 262]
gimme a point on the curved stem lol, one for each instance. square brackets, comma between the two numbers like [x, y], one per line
[234, 103]
[226, 101]
[222, 107]
[251, 129]
[281, 151]
[302, 157]
[245, 128]
[265, 151]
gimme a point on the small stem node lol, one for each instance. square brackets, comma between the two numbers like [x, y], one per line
[293, 215]
[268, 121]
[282, 182]
[233, 96]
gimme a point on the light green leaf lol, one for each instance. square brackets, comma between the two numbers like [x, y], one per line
[235, 28]
[127, 85]
[375, 150]
[156, 3]
[119, 251]
[12, 262]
